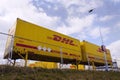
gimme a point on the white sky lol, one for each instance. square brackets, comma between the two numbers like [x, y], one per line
[69, 17]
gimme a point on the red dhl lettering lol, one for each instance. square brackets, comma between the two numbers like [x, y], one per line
[63, 40]
[72, 66]
[100, 50]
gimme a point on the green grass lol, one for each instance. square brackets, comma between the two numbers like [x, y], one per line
[22, 73]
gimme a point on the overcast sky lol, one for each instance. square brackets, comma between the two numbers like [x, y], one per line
[70, 17]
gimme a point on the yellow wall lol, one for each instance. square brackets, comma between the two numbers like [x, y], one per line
[94, 53]
[80, 67]
[48, 65]
[32, 38]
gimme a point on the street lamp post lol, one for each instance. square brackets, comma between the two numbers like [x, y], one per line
[104, 50]
[102, 46]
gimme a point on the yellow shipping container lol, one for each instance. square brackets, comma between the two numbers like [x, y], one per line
[43, 44]
[80, 67]
[48, 65]
[93, 53]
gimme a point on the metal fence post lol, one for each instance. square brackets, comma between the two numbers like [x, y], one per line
[61, 55]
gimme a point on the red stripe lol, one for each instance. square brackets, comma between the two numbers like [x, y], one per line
[91, 57]
[33, 47]
[99, 59]
[74, 55]
[109, 60]
[54, 51]
[65, 53]
[26, 46]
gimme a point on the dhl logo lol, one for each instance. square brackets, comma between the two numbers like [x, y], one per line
[100, 50]
[62, 40]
